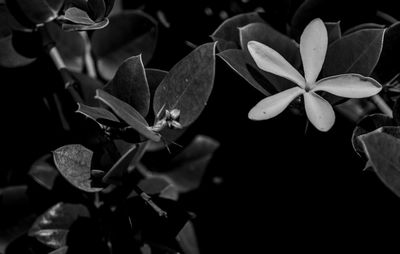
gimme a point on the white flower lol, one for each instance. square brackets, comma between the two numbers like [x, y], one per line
[313, 46]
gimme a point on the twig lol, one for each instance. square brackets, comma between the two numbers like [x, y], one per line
[88, 59]
[381, 104]
[149, 201]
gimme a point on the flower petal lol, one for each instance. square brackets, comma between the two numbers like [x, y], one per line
[269, 60]
[319, 111]
[313, 45]
[274, 104]
[349, 86]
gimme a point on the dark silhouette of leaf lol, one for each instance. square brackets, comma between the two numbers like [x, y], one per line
[43, 172]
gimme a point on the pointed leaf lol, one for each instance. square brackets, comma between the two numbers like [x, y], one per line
[383, 152]
[354, 53]
[189, 166]
[188, 84]
[130, 85]
[74, 164]
[99, 115]
[227, 33]
[52, 227]
[128, 114]
[368, 124]
[80, 27]
[187, 239]
[43, 172]
[129, 33]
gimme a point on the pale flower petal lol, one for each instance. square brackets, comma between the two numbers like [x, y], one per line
[313, 46]
[349, 86]
[274, 104]
[319, 111]
[271, 61]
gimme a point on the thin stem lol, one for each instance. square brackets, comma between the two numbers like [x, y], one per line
[381, 104]
[149, 201]
[88, 59]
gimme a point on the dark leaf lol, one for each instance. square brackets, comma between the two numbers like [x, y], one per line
[52, 227]
[188, 84]
[187, 239]
[383, 152]
[129, 33]
[130, 85]
[9, 57]
[97, 9]
[362, 27]
[354, 53]
[396, 112]
[387, 68]
[74, 164]
[152, 185]
[227, 34]
[121, 166]
[366, 125]
[128, 114]
[189, 166]
[43, 172]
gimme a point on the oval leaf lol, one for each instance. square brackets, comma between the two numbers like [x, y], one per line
[354, 53]
[9, 57]
[188, 85]
[227, 33]
[74, 164]
[128, 114]
[130, 85]
[383, 152]
[52, 227]
[129, 33]
[80, 27]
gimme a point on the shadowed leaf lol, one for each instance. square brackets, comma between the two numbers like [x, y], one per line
[52, 227]
[43, 172]
[129, 33]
